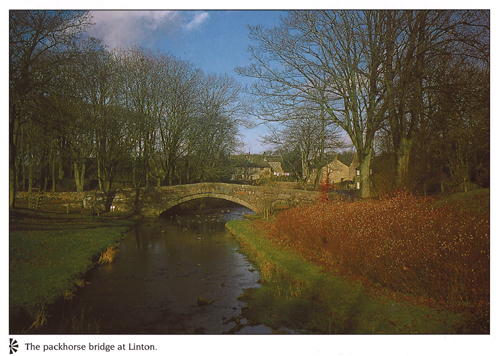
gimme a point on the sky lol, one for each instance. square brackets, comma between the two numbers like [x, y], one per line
[214, 41]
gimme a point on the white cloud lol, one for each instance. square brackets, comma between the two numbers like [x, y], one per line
[128, 28]
[198, 19]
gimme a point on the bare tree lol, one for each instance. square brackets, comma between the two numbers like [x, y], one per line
[142, 97]
[329, 58]
[415, 44]
[214, 130]
[311, 137]
[182, 123]
[461, 123]
[179, 89]
[102, 82]
[88, 103]
[33, 34]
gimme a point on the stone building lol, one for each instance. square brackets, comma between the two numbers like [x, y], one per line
[250, 167]
[337, 172]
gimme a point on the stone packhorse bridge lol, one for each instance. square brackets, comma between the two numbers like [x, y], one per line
[151, 202]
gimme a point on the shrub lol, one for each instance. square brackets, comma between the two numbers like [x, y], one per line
[400, 242]
[324, 188]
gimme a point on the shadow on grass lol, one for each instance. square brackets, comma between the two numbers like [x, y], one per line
[48, 254]
[296, 294]
[27, 219]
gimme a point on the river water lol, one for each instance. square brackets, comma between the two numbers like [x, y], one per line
[179, 275]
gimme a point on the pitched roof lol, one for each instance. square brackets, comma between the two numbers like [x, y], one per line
[336, 164]
[256, 160]
[276, 167]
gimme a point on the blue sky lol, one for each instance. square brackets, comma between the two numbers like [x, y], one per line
[214, 41]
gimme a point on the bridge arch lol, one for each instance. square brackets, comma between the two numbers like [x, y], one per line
[210, 195]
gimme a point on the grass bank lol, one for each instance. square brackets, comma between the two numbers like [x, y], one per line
[296, 293]
[48, 255]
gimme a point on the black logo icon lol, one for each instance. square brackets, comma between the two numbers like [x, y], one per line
[13, 346]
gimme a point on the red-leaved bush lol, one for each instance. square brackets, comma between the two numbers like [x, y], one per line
[400, 242]
[324, 188]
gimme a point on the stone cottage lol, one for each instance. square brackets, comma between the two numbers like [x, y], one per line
[337, 171]
[250, 167]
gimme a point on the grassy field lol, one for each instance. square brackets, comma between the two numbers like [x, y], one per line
[423, 267]
[48, 255]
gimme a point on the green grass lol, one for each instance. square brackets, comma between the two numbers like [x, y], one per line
[49, 254]
[296, 294]
[478, 200]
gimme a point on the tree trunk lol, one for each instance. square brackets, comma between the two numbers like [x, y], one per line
[99, 176]
[30, 170]
[12, 186]
[14, 124]
[108, 183]
[53, 163]
[79, 177]
[403, 162]
[364, 175]
[134, 174]
[23, 171]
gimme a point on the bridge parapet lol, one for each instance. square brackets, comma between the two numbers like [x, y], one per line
[152, 201]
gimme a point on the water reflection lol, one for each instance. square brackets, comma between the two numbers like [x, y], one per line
[177, 275]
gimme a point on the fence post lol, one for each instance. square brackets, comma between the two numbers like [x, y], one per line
[35, 200]
[39, 201]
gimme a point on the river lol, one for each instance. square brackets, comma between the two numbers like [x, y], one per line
[179, 275]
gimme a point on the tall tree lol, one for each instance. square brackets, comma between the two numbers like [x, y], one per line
[329, 58]
[309, 137]
[415, 44]
[142, 97]
[100, 82]
[214, 131]
[461, 121]
[32, 36]
[82, 100]
[180, 82]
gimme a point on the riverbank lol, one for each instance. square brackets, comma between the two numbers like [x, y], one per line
[296, 293]
[49, 253]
